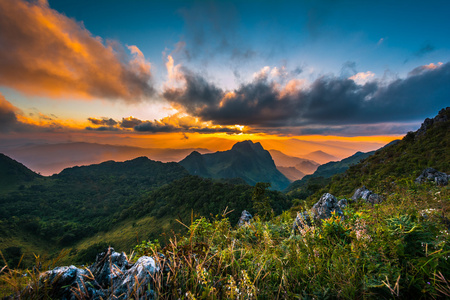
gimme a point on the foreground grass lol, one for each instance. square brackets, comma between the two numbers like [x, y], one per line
[398, 249]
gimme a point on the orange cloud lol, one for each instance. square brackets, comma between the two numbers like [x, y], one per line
[175, 76]
[12, 119]
[176, 123]
[362, 78]
[43, 52]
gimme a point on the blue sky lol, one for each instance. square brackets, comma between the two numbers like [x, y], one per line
[348, 68]
[323, 35]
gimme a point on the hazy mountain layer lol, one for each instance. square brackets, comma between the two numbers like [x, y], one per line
[49, 159]
[305, 166]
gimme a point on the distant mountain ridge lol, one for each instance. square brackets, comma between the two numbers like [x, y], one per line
[320, 157]
[51, 159]
[246, 160]
[291, 173]
[336, 167]
[305, 166]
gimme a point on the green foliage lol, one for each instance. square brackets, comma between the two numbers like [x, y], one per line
[89, 254]
[203, 196]
[302, 189]
[80, 201]
[12, 256]
[14, 174]
[261, 202]
[146, 248]
[372, 252]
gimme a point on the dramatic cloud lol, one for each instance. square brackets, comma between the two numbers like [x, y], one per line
[102, 121]
[419, 70]
[43, 52]
[12, 119]
[328, 100]
[362, 78]
[197, 95]
[156, 126]
[130, 122]
[8, 119]
[184, 124]
[174, 123]
[103, 128]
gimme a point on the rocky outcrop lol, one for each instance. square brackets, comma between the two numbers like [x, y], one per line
[442, 116]
[245, 218]
[303, 219]
[367, 195]
[430, 174]
[112, 276]
[327, 205]
[70, 283]
[321, 210]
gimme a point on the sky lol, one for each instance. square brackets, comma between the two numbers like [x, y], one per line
[177, 74]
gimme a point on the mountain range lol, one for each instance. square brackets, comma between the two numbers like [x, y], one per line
[286, 163]
[115, 202]
[48, 159]
[87, 208]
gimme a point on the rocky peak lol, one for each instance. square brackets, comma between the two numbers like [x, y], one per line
[442, 116]
[248, 146]
[194, 154]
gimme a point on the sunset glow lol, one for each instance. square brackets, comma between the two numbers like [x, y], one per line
[206, 75]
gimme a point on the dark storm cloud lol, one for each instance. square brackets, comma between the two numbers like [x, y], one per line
[103, 121]
[329, 100]
[198, 94]
[102, 128]
[130, 122]
[155, 127]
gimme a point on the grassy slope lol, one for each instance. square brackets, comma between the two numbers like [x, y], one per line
[397, 163]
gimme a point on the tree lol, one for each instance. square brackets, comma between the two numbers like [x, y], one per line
[261, 202]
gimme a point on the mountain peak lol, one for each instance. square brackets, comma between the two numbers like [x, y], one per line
[246, 160]
[194, 154]
[247, 145]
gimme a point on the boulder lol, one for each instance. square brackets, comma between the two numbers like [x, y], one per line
[367, 195]
[301, 220]
[323, 209]
[430, 174]
[112, 276]
[326, 205]
[135, 281]
[70, 283]
[108, 267]
[245, 218]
